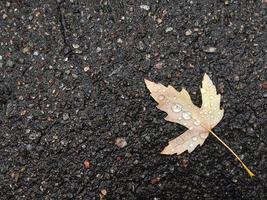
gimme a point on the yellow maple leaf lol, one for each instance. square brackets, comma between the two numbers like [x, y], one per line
[199, 121]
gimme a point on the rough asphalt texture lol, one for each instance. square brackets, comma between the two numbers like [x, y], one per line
[71, 84]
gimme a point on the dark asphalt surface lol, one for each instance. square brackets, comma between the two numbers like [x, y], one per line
[76, 121]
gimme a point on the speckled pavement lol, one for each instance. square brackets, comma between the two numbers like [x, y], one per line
[76, 121]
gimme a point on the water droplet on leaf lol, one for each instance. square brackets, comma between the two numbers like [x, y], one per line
[176, 108]
[186, 115]
[161, 97]
[197, 123]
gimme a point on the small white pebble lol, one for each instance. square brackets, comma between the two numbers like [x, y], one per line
[169, 29]
[4, 16]
[119, 40]
[86, 69]
[75, 46]
[98, 49]
[211, 50]
[121, 142]
[145, 7]
[188, 32]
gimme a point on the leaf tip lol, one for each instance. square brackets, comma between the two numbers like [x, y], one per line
[148, 83]
[165, 152]
[206, 78]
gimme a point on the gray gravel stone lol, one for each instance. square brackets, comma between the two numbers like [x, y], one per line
[9, 63]
[66, 116]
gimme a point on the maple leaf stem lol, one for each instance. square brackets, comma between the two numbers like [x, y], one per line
[250, 173]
